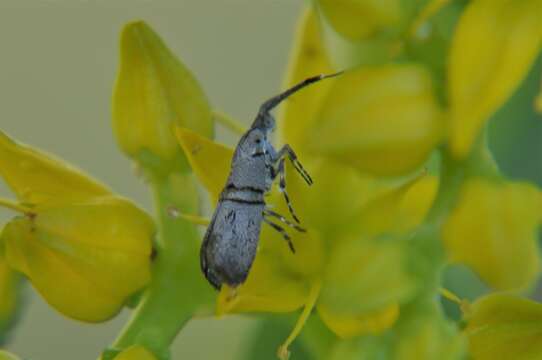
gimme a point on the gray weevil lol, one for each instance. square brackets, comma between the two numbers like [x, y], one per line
[230, 242]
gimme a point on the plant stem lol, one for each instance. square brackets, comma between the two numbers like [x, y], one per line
[175, 290]
[453, 174]
[451, 177]
[283, 352]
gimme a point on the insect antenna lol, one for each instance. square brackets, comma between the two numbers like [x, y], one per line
[274, 101]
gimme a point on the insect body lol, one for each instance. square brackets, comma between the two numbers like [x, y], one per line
[230, 242]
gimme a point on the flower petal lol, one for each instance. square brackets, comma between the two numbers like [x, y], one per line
[347, 326]
[34, 176]
[268, 289]
[210, 161]
[493, 230]
[339, 189]
[383, 120]
[308, 58]
[399, 210]
[153, 92]
[279, 281]
[502, 326]
[83, 270]
[363, 281]
[495, 44]
[345, 15]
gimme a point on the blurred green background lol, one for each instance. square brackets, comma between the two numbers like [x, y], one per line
[58, 61]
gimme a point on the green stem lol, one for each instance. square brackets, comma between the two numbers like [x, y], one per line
[453, 174]
[175, 290]
[451, 177]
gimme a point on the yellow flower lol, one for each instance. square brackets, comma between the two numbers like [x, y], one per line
[83, 248]
[400, 210]
[153, 92]
[493, 230]
[505, 327]
[386, 117]
[196, 147]
[35, 176]
[345, 15]
[494, 45]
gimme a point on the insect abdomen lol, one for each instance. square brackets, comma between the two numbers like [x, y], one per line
[230, 243]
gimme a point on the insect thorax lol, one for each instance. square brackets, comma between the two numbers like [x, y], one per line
[251, 166]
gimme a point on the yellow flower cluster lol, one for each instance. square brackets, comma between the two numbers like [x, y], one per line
[85, 250]
[404, 186]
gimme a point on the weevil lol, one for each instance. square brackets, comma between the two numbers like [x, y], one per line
[231, 240]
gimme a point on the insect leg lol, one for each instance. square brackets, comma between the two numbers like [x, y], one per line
[282, 232]
[282, 187]
[269, 212]
[287, 150]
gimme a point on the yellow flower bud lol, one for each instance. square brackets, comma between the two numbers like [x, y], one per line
[153, 93]
[363, 284]
[493, 230]
[340, 190]
[209, 161]
[383, 120]
[494, 45]
[84, 258]
[399, 210]
[347, 325]
[357, 19]
[504, 326]
[36, 177]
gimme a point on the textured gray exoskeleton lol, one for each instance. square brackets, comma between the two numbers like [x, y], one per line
[231, 240]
